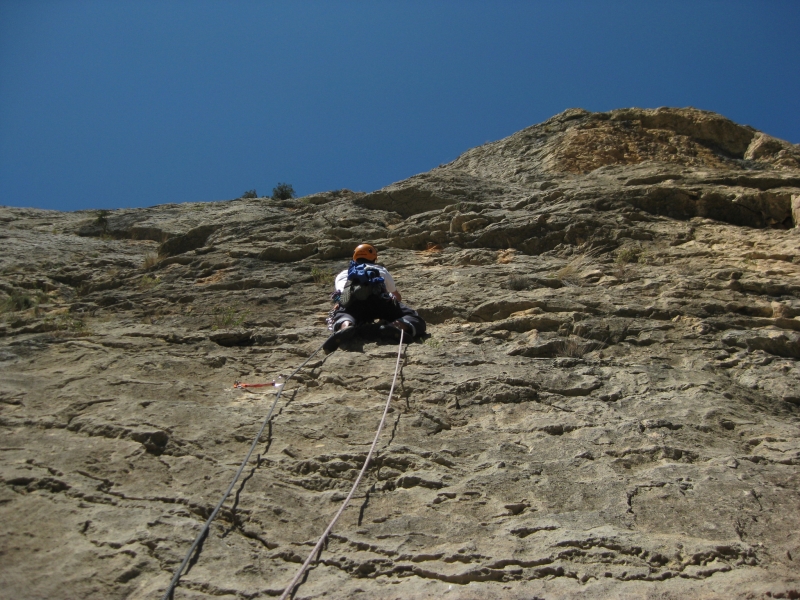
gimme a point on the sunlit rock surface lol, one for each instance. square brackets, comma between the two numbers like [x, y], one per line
[607, 403]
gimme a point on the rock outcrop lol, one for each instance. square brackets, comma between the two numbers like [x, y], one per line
[607, 403]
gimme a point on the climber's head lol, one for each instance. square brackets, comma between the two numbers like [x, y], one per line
[365, 252]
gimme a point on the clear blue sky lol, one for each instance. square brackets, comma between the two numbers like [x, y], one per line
[107, 104]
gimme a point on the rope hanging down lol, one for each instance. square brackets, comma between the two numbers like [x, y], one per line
[176, 577]
[327, 531]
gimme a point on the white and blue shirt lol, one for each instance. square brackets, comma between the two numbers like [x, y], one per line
[341, 278]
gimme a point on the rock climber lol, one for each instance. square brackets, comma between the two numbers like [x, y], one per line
[364, 292]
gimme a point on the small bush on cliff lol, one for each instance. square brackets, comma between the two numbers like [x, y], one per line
[323, 277]
[433, 342]
[576, 266]
[571, 347]
[628, 255]
[518, 283]
[283, 191]
[102, 219]
[66, 324]
[150, 260]
[147, 282]
[250, 194]
[18, 301]
[646, 258]
[576, 347]
[227, 316]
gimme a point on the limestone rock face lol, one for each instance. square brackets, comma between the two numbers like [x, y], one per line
[606, 404]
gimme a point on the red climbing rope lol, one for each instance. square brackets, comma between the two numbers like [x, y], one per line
[327, 531]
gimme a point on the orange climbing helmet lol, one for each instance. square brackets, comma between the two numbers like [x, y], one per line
[366, 251]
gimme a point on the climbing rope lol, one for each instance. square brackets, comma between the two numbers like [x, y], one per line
[176, 577]
[327, 531]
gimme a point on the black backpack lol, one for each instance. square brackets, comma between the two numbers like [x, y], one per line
[363, 281]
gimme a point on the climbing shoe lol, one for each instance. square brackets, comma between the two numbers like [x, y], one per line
[335, 340]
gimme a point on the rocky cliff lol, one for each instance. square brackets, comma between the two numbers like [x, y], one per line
[607, 403]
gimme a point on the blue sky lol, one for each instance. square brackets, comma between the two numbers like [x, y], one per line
[135, 103]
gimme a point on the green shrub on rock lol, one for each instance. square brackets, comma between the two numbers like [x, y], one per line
[283, 191]
[628, 255]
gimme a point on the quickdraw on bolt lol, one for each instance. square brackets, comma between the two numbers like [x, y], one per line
[275, 383]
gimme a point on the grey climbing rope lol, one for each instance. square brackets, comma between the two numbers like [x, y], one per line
[176, 577]
[327, 531]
